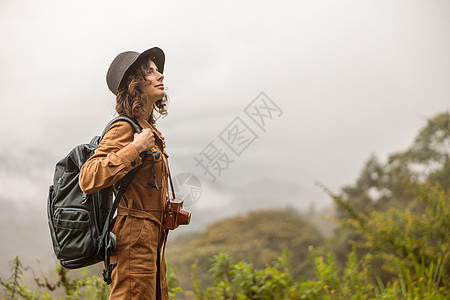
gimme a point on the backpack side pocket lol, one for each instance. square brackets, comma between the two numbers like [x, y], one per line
[74, 232]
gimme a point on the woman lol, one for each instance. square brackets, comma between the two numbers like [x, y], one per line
[137, 81]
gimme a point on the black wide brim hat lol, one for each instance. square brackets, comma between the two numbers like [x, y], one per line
[125, 62]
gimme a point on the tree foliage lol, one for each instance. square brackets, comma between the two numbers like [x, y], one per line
[427, 159]
[381, 187]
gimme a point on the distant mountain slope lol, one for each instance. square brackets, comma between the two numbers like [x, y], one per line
[258, 237]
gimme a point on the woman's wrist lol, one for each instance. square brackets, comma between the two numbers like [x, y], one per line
[137, 147]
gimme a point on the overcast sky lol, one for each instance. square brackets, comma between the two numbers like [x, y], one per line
[351, 78]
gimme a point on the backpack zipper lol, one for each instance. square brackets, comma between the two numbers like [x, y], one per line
[57, 215]
[85, 198]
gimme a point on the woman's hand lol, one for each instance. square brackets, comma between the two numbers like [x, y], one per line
[144, 140]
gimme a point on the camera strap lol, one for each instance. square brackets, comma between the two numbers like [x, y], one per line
[162, 249]
[171, 183]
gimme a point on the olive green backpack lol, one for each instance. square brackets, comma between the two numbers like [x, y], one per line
[79, 223]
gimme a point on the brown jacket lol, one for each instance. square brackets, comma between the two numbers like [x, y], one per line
[139, 274]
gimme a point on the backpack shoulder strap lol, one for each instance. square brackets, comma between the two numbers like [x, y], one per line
[121, 186]
[121, 118]
[123, 183]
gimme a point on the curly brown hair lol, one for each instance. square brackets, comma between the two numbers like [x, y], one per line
[131, 103]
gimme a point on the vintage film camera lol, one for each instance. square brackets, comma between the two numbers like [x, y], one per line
[175, 215]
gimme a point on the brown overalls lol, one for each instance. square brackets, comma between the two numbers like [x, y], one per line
[139, 274]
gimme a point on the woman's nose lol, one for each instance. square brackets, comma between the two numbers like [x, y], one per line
[160, 76]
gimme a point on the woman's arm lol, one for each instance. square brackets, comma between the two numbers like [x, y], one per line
[114, 158]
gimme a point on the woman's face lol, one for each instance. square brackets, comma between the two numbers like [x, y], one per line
[153, 87]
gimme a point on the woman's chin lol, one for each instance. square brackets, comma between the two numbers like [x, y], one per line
[159, 95]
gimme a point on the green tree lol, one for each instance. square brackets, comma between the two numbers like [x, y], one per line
[429, 155]
[381, 187]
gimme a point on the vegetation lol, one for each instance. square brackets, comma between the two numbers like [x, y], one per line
[82, 287]
[389, 189]
[258, 238]
[413, 246]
